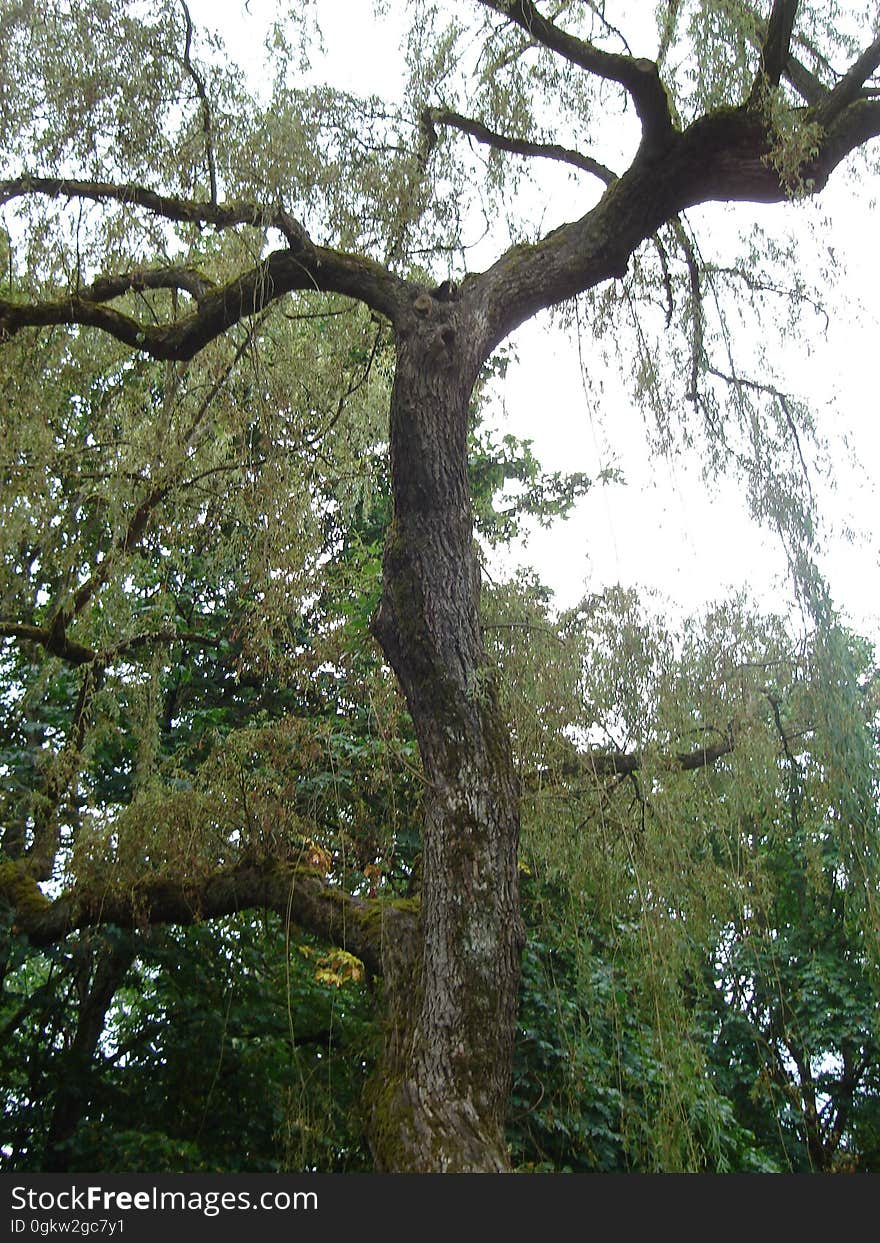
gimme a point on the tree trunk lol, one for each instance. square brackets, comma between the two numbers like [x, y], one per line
[439, 1099]
[111, 962]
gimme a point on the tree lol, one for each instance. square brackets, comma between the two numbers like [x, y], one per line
[715, 936]
[651, 1034]
[151, 190]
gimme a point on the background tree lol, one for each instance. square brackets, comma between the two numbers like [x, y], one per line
[169, 312]
[700, 983]
[642, 1040]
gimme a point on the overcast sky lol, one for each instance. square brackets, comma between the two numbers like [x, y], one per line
[667, 529]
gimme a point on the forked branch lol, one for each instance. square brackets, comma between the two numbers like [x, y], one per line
[639, 77]
[308, 267]
[849, 88]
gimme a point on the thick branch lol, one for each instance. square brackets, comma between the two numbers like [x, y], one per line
[297, 894]
[188, 279]
[54, 641]
[855, 126]
[302, 266]
[774, 52]
[516, 146]
[638, 76]
[309, 267]
[624, 763]
[810, 88]
[849, 87]
[724, 156]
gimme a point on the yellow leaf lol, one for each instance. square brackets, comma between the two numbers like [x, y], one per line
[338, 968]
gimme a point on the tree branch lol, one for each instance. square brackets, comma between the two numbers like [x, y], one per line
[810, 88]
[598, 11]
[188, 279]
[41, 856]
[54, 641]
[168, 206]
[298, 894]
[126, 646]
[302, 267]
[136, 528]
[73, 653]
[624, 763]
[777, 42]
[856, 125]
[593, 764]
[207, 125]
[848, 89]
[516, 146]
[96, 991]
[784, 402]
[696, 304]
[640, 77]
[723, 156]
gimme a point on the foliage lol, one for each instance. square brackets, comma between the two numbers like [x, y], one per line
[223, 1050]
[707, 947]
[693, 945]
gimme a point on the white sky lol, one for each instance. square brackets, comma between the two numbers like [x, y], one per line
[667, 529]
[662, 531]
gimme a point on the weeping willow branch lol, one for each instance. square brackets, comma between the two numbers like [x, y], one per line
[777, 42]
[207, 122]
[849, 88]
[516, 146]
[302, 266]
[73, 653]
[639, 77]
[128, 194]
[784, 402]
[698, 318]
[358, 925]
[105, 288]
[61, 770]
[807, 85]
[56, 642]
[601, 764]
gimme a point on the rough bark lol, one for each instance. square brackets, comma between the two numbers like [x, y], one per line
[360, 925]
[439, 1099]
